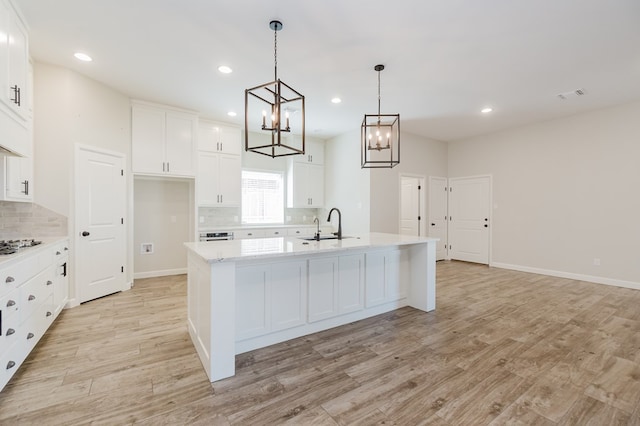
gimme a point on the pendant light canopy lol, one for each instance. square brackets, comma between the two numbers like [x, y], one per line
[274, 114]
[380, 137]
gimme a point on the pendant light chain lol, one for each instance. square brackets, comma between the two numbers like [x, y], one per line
[378, 96]
[275, 54]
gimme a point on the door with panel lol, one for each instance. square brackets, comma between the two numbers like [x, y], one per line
[100, 200]
[411, 200]
[469, 218]
[438, 196]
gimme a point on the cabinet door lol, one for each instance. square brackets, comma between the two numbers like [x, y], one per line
[230, 139]
[323, 288]
[375, 279]
[253, 297]
[208, 171]
[18, 65]
[4, 53]
[313, 153]
[19, 179]
[315, 185]
[288, 295]
[147, 140]
[180, 144]
[229, 180]
[351, 283]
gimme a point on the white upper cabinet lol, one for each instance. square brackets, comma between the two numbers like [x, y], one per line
[14, 81]
[17, 179]
[215, 137]
[218, 180]
[163, 141]
[314, 153]
[305, 185]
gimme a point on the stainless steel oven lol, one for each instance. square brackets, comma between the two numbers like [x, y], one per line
[216, 236]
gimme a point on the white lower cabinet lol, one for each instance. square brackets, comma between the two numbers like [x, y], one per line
[336, 286]
[28, 305]
[386, 275]
[269, 298]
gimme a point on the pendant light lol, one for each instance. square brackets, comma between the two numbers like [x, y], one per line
[274, 114]
[380, 137]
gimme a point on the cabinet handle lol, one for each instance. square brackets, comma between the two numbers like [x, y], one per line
[11, 303]
[49, 314]
[66, 249]
[31, 297]
[30, 336]
[9, 280]
[19, 96]
[163, 165]
[249, 234]
[220, 198]
[10, 331]
[16, 95]
[10, 365]
[49, 282]
[276, 233]
[167, 166]
[58, 253]
[26, 187]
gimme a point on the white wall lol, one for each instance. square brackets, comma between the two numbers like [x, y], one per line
[161, 215]
[69, 109]
[346, 184]
[565, 192]
[418, 156]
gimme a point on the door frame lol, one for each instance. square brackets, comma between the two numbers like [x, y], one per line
[490, 213]
[422, 205]
[74, 228]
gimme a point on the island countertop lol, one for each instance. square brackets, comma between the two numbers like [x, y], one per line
[258, 248]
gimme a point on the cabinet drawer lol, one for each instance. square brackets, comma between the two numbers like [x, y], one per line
[249, 233]
[34, 327]
[10, 360]
[300, 232]
[10, 304]
[34, 293]
[9, 329]
[275, 232]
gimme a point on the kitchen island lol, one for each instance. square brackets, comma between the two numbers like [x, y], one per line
[248, 294]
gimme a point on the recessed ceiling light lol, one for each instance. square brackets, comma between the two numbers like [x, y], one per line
[336, 100]
[225, 69]
[83, 57]
[232, 114]
[486, 110]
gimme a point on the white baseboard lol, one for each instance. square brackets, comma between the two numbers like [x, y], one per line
[162, 273]
[570, 275]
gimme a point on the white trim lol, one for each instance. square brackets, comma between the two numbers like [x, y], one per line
[161, 273]
[569, 275]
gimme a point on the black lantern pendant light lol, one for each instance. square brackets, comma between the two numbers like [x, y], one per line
[274, 114]
[380, 137]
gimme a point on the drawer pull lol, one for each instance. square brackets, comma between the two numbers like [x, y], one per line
[66, 249]
[10, 331]
[49, 282]
[10, 365]
[49, 314]
[31, 297]
[9, 280]
[58, 253]
[11, 303]
[30, 336]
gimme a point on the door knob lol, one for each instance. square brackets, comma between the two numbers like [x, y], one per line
[85, 233]
[486, 226]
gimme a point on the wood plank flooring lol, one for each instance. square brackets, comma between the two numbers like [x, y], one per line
[502, 347]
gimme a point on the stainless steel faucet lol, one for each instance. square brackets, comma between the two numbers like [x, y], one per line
[339, 233]
[317, 222]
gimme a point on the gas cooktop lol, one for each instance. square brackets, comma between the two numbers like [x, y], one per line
[13, 246]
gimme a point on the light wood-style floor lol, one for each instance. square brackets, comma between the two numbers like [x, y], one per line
[502, 347]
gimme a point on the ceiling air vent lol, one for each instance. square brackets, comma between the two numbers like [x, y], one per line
[572, 94]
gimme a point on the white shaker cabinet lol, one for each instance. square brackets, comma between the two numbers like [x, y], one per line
[313, 153]
[219, 180]
[219, 138]
[163, 141]
[17, 179]
[14, 81]
[305, 185]
[386, 274]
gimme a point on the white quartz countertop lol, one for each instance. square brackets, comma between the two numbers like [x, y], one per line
[25, 252]
[258, 248]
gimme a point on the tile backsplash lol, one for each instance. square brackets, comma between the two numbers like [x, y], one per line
[30, 220]
[210, 217]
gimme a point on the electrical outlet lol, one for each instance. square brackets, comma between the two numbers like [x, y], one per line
[146, 248]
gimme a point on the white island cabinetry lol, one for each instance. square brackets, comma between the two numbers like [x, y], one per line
[250, 293]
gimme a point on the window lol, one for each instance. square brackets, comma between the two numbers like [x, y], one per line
[262, 197]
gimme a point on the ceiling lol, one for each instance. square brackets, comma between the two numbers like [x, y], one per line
[445, 60]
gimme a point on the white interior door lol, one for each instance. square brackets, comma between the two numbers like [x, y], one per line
[469, 218]
[100, 232]
[438, 192]
[411, 205]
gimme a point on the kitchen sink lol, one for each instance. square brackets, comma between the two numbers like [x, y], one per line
[322, 238]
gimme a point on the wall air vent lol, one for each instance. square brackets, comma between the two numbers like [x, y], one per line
[571, 94]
